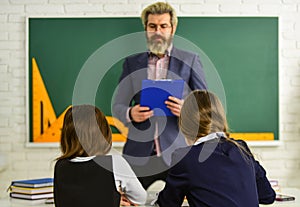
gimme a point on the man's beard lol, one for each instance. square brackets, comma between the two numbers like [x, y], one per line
[159, 47]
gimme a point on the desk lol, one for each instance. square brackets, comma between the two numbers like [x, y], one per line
[11, 202]
[288, 191]
[8, 202]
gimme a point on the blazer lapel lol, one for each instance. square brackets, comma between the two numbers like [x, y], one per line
[142, 64]
[175, 65]
[142, 61]
[138, 71]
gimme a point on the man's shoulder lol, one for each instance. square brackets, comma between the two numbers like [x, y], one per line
[183, 54]
[176, 50]
[137, 56]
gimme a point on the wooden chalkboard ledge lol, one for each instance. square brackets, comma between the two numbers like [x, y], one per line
[250, 136]
[274, 143]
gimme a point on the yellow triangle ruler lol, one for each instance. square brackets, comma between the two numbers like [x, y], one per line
[46, 127]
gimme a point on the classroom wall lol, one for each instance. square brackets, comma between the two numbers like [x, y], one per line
[19, 162]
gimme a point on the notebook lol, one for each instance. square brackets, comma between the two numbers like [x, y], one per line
[33, 183]
[26, 190]
[32, 197]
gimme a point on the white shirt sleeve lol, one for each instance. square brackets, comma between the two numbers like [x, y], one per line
[127, 115]
[125, 176]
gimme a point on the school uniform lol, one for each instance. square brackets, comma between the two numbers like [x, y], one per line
[95, 181]
[213, 172]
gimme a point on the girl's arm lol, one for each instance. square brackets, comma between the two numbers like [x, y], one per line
[127, 180]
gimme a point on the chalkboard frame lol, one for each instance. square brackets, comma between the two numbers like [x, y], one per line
[28, 95]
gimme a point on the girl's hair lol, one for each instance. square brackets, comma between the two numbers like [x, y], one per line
[85, 132]
[159, 8]
[202, 113]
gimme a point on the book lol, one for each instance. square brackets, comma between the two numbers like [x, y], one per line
[24, 190]
[34, 183]
[281, 197]
[24, 202]
[31, 197]
[49, 201]
[155, 92]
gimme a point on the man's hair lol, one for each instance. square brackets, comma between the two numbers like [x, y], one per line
[159, 8]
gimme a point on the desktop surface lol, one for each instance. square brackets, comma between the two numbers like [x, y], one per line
[11, 202]
[287, 191]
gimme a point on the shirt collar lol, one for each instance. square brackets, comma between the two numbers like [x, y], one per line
[82, 159]
[209, 137]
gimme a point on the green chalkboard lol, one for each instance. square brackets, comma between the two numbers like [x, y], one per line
[243, 51]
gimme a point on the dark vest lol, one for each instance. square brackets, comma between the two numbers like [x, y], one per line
[82, 184]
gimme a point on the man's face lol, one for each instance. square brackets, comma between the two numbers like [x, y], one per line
[159, 32]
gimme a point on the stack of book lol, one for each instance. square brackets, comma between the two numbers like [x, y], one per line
[35, 189]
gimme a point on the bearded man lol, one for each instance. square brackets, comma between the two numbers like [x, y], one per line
[151, 140]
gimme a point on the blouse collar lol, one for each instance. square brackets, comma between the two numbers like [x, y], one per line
[209, 137]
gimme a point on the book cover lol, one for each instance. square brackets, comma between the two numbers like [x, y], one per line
[25, 202]
[155, 92]
[24, 190]
[31, 197]
[33, 183]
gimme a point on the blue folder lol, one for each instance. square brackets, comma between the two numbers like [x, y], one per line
[155, 92]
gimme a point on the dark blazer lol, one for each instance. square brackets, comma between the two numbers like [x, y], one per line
[183, 65]
[226, 178]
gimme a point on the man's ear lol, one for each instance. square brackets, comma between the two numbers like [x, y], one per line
[174, 29]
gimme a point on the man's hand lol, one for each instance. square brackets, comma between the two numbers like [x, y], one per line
[174, 104]
[140, 113]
